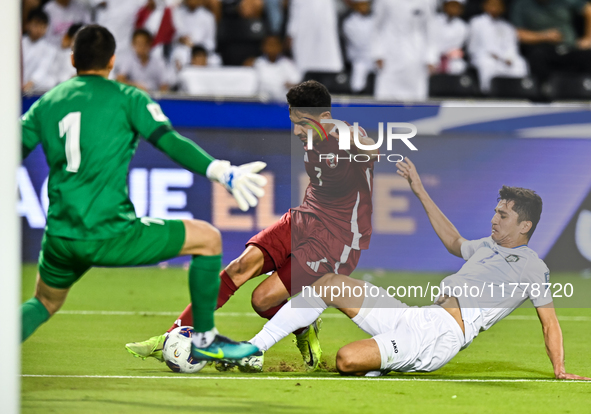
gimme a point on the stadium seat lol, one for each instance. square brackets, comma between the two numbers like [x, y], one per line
[453, 86]
[569, 86]
[225, 81]
[335, 82]
[516, 88]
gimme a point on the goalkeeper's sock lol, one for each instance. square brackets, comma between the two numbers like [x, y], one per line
[204, 284]
[184, 319]
[204, 339]
[34, 314]
[227, 289]
[299, 312]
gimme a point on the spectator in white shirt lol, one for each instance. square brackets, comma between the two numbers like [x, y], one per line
[119, 17]
[314, 38]
[357, 28]
[451, 34]
[276, 73]
[62, 66]
[195, 24]
[143, 68]
[63, 14]
[493, 46]
[38, 54]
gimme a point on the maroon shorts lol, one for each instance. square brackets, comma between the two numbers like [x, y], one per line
[316, 251]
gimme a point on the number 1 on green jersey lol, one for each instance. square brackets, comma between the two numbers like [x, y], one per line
[70, 126]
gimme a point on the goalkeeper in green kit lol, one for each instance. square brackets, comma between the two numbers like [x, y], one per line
[89, 128]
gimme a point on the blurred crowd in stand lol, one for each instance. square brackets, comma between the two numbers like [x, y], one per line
[398, 50]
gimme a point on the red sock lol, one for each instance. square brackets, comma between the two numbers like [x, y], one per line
[227, 289]
[184, 319]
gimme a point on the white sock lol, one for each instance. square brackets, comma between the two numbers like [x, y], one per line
[204, 339]
[298, 313]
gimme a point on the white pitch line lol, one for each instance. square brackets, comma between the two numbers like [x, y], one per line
[250, 378]
[254, 315]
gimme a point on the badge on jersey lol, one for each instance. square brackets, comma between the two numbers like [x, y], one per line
[332, 161]
[511, 258]
[156, 112]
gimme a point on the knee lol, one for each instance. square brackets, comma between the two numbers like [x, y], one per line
[210, 238]
[259, 301]
[238, 267]
[344, 361]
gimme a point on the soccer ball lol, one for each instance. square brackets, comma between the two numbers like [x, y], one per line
[177, 351]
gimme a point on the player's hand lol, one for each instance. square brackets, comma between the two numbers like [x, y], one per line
[242, 181]
[566, 376]
[408, 170]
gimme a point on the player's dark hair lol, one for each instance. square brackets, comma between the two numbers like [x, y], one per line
[142, 32]
[73, 29]
[526, 203]
[311, 96]
[93, 47]
[38, 15]
[198, 50]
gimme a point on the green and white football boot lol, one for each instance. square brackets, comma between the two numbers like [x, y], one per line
[309, 345]
[150, 348]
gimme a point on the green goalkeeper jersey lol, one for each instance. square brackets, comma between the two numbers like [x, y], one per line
[89, 128]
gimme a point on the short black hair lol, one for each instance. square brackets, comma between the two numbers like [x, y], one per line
[310, 94]
[38, 15]
[198, 50]
[526, 203]
[142, 32]
[93, 48]
[73, 29]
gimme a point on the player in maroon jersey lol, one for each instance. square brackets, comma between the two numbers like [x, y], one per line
[325, 234]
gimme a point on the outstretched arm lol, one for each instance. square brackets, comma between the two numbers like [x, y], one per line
[449, 235]
[553, 340]
[242, 181]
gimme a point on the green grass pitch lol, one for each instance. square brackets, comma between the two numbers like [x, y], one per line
[76, 363]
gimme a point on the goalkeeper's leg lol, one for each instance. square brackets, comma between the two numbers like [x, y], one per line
[204, 243]
[37, 310]
[251, 263]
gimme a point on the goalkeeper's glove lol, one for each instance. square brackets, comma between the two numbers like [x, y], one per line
[242, 181]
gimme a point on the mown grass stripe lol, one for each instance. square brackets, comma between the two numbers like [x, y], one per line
[254, 315]
[335, 378]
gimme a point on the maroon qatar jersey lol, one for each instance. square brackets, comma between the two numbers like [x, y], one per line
[340, 191]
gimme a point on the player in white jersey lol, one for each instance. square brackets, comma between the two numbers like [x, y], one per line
[409, 339]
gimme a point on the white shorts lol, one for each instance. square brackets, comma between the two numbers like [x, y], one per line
[410, 338]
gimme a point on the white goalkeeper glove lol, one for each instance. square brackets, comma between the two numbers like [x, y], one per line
[242, 181]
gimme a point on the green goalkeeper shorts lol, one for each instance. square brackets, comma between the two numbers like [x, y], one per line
[147, 241]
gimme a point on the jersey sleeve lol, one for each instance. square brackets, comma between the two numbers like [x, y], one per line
[469, 247]
[30, 130]
[538, 276]
[147, 117]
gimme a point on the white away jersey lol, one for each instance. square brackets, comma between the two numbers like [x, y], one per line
[495, 281]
